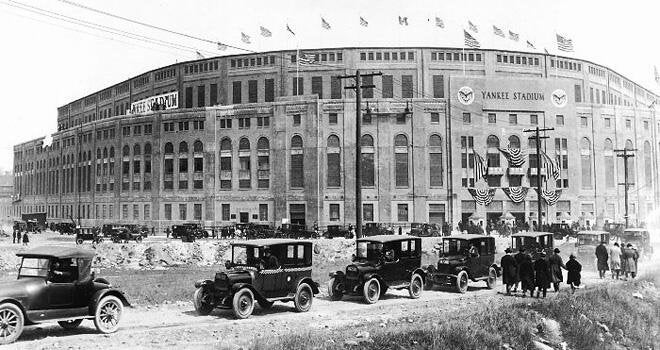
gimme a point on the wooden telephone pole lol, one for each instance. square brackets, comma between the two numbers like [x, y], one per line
[625, 154]
[538, 138]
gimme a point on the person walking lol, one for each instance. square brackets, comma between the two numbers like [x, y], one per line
[556, 264]
[26, 239]
[541, 275]
[615, 260]
[601, 259]
[14, 237]
[526, 275]
[509, 270]
[630, 255]
[573, 277]
[520, 256]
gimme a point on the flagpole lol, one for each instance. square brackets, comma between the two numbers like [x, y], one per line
[556, 62]
[463, 59]
[297, 67]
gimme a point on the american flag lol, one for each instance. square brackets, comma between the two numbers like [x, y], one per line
[480, 169]
[363, 22]
[288, 29]
[265, 32]
[305, 59]
[325, 23]
[245, 38]
[473, 27]
[551, 166]
[530, 45]
[470, 41]
[564, 44]
[514, 36]
[403, 21]
[439, 22]
[498, 31]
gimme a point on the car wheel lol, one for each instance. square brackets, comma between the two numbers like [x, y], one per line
[266, 304]
[304, 297]
[243, 303]
[70, 324]
[202, 302]
[108, 313]
[492, 278]
[79, 241]
[462, 282]
[11, 323]
[416, 286]
[138, 239]
[371, 291]
[334, 290]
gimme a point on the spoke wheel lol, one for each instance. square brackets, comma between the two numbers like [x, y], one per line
[416, 286]
[371, 291]
[70, 324]
[335, 290]
[492, 278]
[108, 313]
[202, 302]
[11, 323]
[462, 282]
[243, 303]
[79, 241]
[304, 297]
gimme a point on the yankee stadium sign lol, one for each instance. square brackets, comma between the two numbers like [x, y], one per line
[169, 100]
[512, 95]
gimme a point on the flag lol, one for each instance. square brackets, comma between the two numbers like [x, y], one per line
[470, 41]
[480, 168]
[222, 47]
[546, 51]
[473, 27]
[550, 197]
[305, 59]
[245, 38]
[325, 23]
[482, 196]
[514, 36]
[403, 21]
[363, 22]
[530, 45]
[265, 32]
[564, 44]
[657, 76]
[498, 31]
[516, 194]
[199, 55]
[551, 166]
[288, 29]
[514, 156]
[439, 22]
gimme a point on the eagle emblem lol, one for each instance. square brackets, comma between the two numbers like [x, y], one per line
[465, 95]
[559, 98]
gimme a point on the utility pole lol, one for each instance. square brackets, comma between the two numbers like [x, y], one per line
[625, 154]
[358, 134]
[538, 138]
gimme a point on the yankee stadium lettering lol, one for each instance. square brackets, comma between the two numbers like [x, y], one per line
[515, 95]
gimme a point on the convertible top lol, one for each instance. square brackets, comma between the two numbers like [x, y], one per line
[59, 252]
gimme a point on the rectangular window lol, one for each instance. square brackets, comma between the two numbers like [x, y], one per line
[263, 212]
[252, 91]
[332, 118]
[298, 87]
[584, 122]
[236, 92]
[388, 86]
[467, 118]
[402, 212]
[533, 119]
[334, 212]
[225, 212]
[168, 211]
[368, 212]
[296, 173]
[438, 86]
[201, 96]
[367, 175]
[136, 212]
[335, 88]
[628, 124]
[296, 120]
[197, 212]
[578, 93]
[368, 92]
[124, 211]
[437, 214]
[189, 97]
[317, 86]
[608, 122]
[269, 90]
[182, 212]
[401, 169]
[214, 95]
[559, 119]
[513, 119]
[435, 117]
[334, 170]
[435, 169]
[406, 86]
[492, 118]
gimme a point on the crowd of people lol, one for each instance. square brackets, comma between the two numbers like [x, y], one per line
[19, 235]
[620, 260]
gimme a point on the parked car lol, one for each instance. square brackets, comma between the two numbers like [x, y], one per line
[88, 234]
[561, 230]
[189, 231]
[123, 234]
[586, 244]
[264, 271]
[375, 229]
[296, 231]
[337, 231]
[533, 242]
[381, 262]
[464, 258]
[640, 238]
[56, 284]
[614, 228]
[425, 230]
[64, 227]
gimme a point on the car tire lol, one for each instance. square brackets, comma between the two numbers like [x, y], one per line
[79, 241]
[138, 239]
[491, 281]
[416, 286]
[202, 306]
[334, 293]
[70, 324]
[371, 291]
[108, 314]
[12, 316]
[462, 282]
[243, 303]
[303, 298]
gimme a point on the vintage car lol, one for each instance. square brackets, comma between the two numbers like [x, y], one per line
[189, 231]
[533, 242]
[375, 229]
[380, 263]
[614, 228]
[296, 231]
[561, 230]
[258, 231]
[586, 244]
[425, 230]
[123, 235]
[464, 258]
[337, 231]
[88, 234]
[640, 239]
[56, 284]
[264, 271]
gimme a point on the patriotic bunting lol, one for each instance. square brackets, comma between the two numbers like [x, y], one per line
[514, 156]
[550, 197]
[439, 22]
[470, 41]
[551, 166]
[480, 168]
[305, 59]
[564, 44]
[516, 194]
[325, 24]
[482, 196]
[498, 31]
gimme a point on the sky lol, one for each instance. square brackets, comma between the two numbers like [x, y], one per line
[48, 62]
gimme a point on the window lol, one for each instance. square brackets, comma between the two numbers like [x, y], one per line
[182, 212]
[189, 97]
[298, 87]
[492, 118]
[368, 92]
[296, 170]
[269, 90]
[332, 118]
[578, 93]
[335, 88]
[534, 119]
[437, 214]
[197, 212]
[201, 96]
[584, 122]
[367, 161]
[388, 86]
[438, 86]
[406, 86]
[236, 92]
[607, 122]
[402, 212]
[401, 160]
[334, 162]
[435, 161]
[124, 211]
[225, 163]
[513, 119]
[334, 212]
[610, 170]
[559, 119]
[646, 125]
[367, 212]
[435, 117]
[252, 91]
[296, 120]
[226, 212]
[263, 212]
[467, 118]
[317, 86]
[585, 159]
[183, 126]
[628, 124]
[263, 163]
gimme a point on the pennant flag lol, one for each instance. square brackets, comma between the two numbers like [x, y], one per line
[473, 27]
[516, 194]
[514, 36]
[265, 32]
[514, 156]
[439, 22]
[480, 168]
[325, 23]
[530, 45]
[546, 51]
[498, 31]
[470, 41]
[550, 197]
[288, 29]
[222, 47]
[363, 22]
[245, 38]
[564, 44]
[305, 59]
[657, 76]
[482, 196]
[551, 166]
[403, 21]
[199, 55]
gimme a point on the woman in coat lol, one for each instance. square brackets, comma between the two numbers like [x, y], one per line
[574, 268]
[542, 275]
[630, 257]
[556, 264]
[526, 275]
[615, 260]
[509, 270]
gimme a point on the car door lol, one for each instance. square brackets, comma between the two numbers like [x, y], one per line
[60, 291]
[272, 278]
[296, 269]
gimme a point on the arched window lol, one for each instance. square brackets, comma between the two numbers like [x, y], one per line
[244, 163]
[648, 165]
[183, 147]
[367, 141]
[112, 152]
[514, 142]
[126, 151]
[225, 144]
[367, 161]
[198, 165]
[225, 164]
[198, 147]
[492, 153]
[435, 161]
[169, 148]
[334, 161]
[608, 157]
[98, 153]
[296, 178]
[147, 149]
[244, 144]
[263, 144]
[136, 150]
[493, 141]
[401, 160]
[585, 157]
[263, 163]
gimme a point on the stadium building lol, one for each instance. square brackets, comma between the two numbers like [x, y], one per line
[268, 138]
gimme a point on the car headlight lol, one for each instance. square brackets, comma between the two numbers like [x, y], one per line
[351, 268]
[443, 261]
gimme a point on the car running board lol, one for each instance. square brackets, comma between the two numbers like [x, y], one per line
[58, 314]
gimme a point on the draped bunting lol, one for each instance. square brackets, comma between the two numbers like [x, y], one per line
[516, 194]
[551, 197]
[514, 156]
[551, 166]
[482, 196]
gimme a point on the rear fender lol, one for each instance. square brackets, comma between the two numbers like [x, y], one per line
[498, 269]
[203, 283]
[339, 275]
[312, 284]
[96, 298]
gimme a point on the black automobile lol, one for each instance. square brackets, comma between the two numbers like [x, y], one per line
[123, 235]
[264, 271]
[64, 228]
[533, 242]
[561, 230]
[464, 258]
[56, 284]
[337, 231]
[380, 263]
[296, 231]
[375, 229]
[188, 232]
[88, 234]
[425, 230]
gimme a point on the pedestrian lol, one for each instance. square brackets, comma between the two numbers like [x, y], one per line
[556, 264]
[509, 270]
[615, 260]
[630, 255]
[400, 230]
[19, 236]
[520, 256]
[153, 231]
[601, 257]
[526, 275]
[14, 237]
[167, 232]
[542, 275]
[623, 259]
[573, 277]
[26, 239]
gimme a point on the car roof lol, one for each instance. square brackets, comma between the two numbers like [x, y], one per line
[60, 252]
[593, 233]
[468, 236]
[635, 229]
[531, 234]
[386, 238]
[270, 241]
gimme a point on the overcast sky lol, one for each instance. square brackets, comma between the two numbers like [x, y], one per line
[48, 62]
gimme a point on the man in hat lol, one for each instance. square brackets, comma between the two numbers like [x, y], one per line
[601, 257]
[630, 256]
[556, 264]
[520, 257]
[269, 261]
[542, 275]
[615, 260]
[509, 270]
[574, 268]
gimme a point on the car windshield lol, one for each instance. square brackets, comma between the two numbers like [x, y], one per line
[33, 267]
[370, 251]
[245, 255]
[588, 239]
[453, 246]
